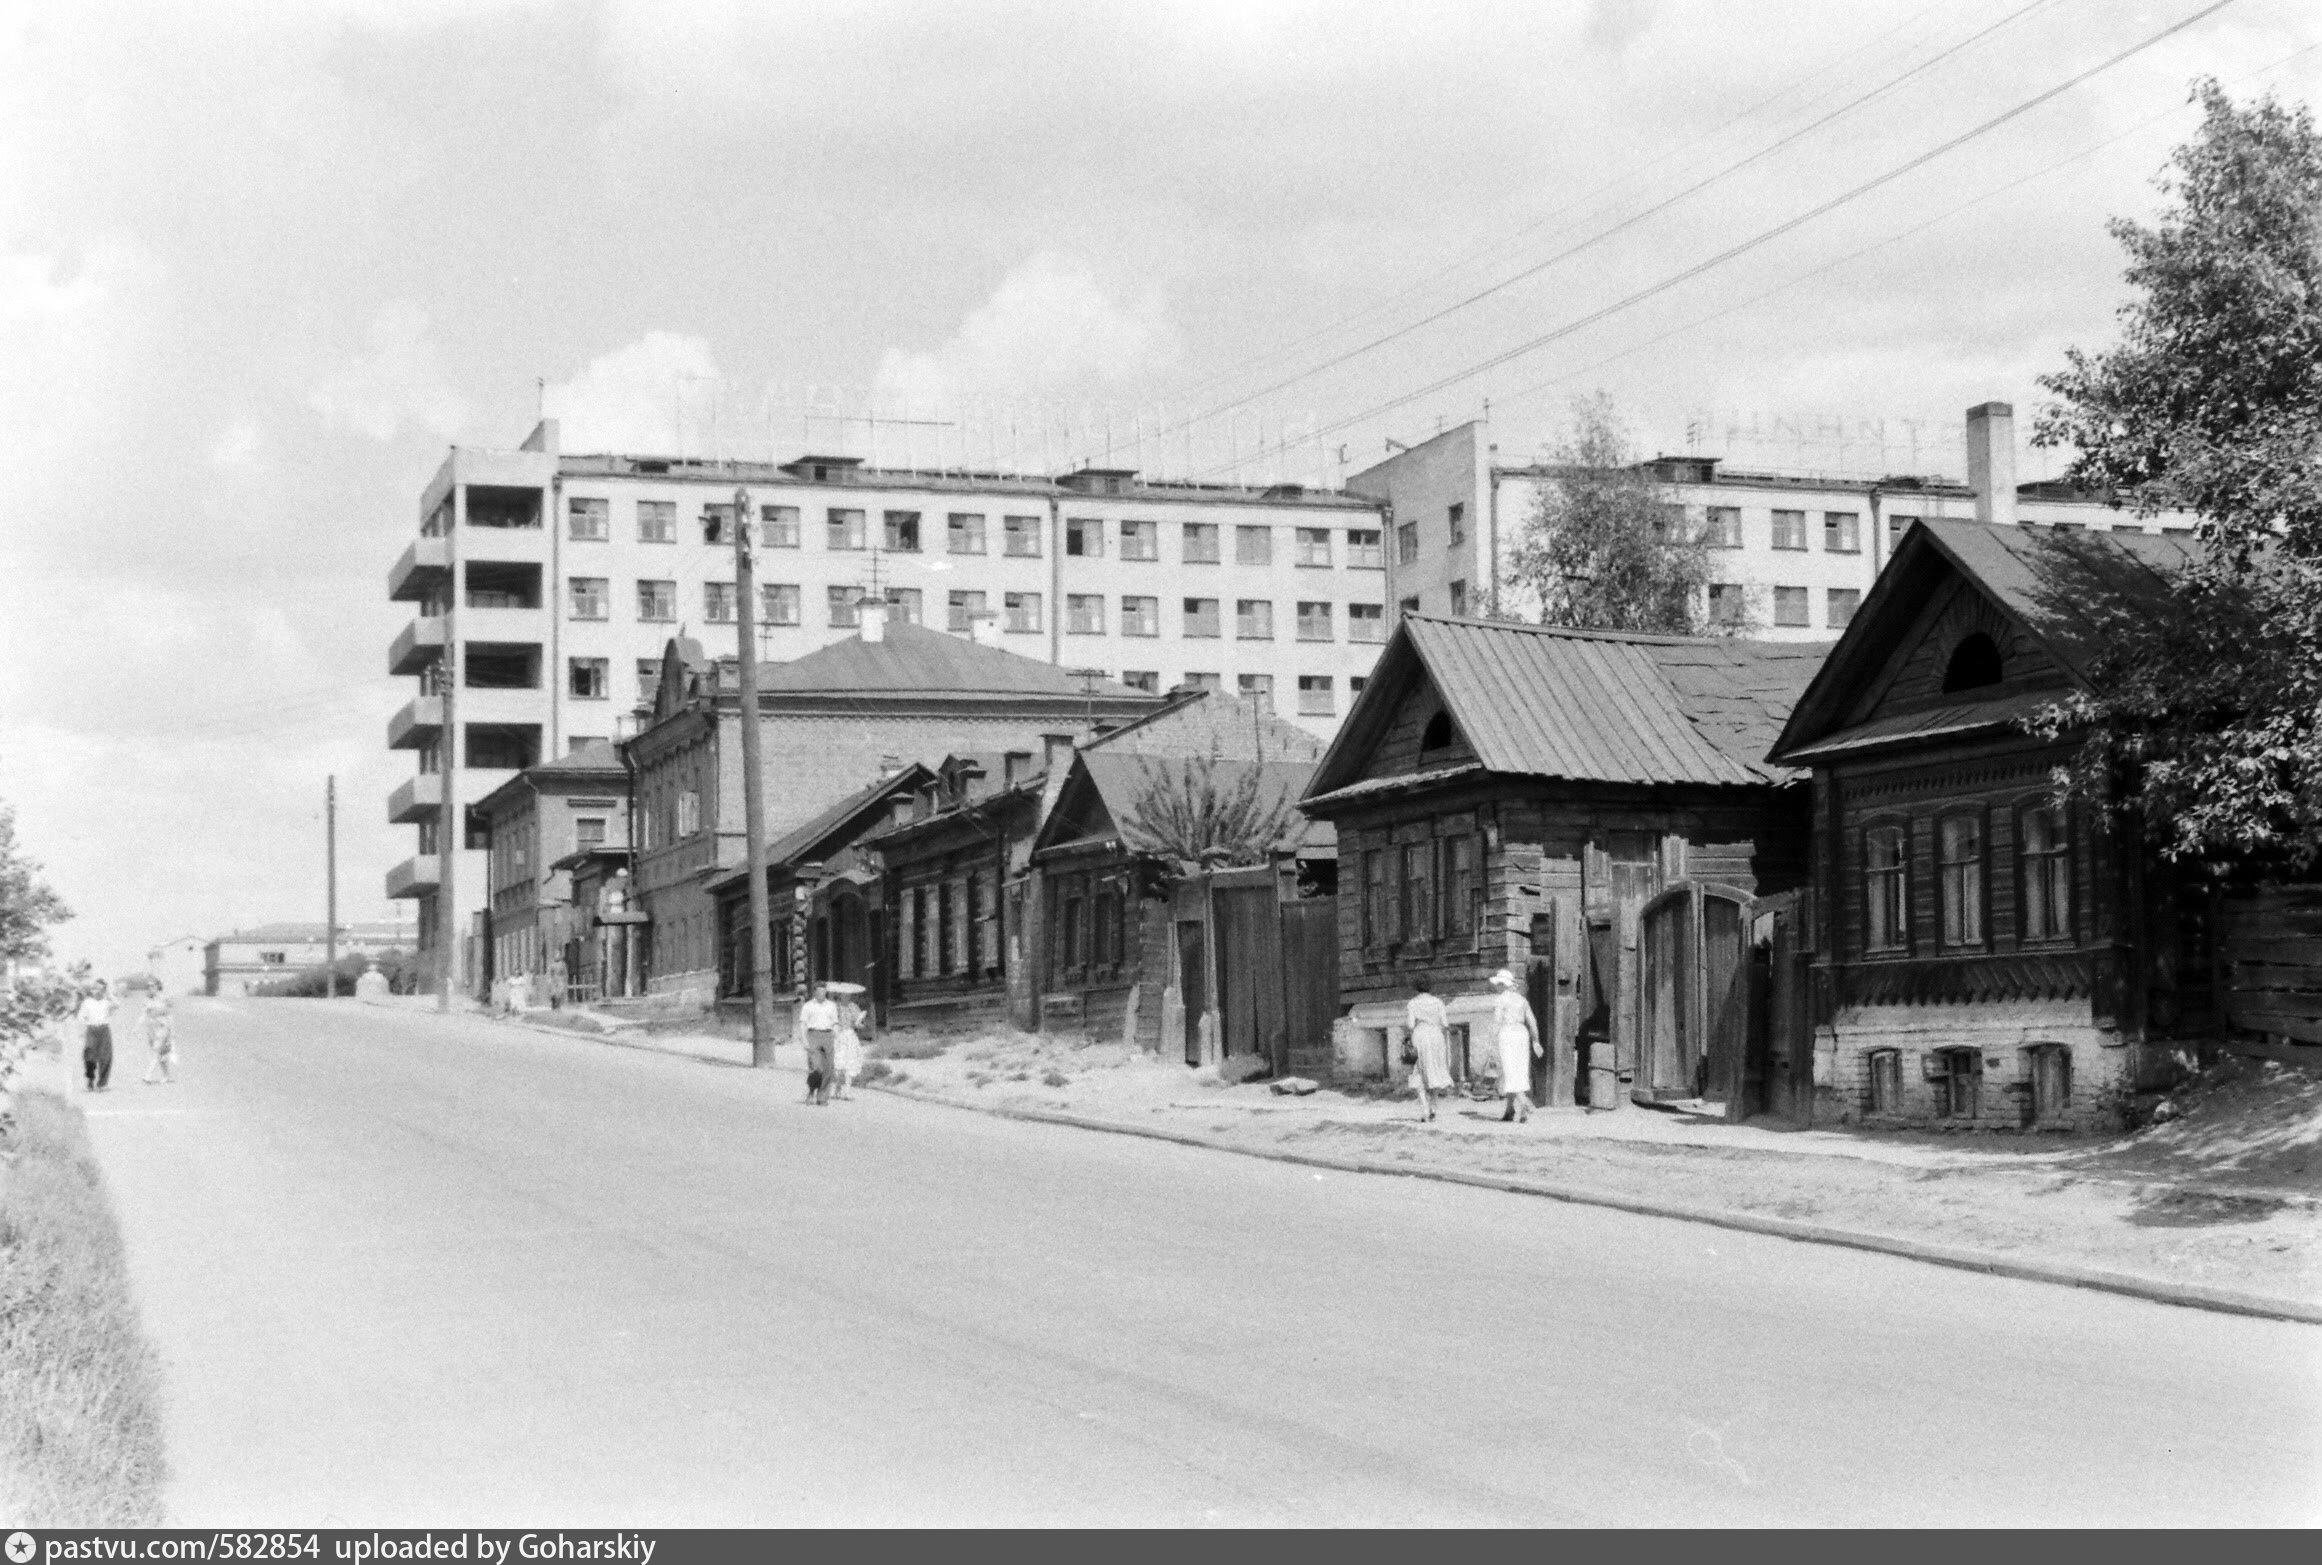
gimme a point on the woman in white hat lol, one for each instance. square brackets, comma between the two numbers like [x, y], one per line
[1517, 1032]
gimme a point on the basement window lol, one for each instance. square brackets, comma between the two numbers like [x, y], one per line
[1957, 1076]
[1885, 1084]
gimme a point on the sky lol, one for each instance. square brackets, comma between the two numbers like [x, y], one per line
[261, 263]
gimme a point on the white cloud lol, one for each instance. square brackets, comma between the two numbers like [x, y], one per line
[1049, 326]
[237, 444]
[400, 381]
[631, 398]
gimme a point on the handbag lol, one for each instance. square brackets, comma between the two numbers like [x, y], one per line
[1410, 1052]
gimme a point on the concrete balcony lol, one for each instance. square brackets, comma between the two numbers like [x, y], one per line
[416, 876]
[416, 645]
[425, 566]
[418, 798]
[417, 724]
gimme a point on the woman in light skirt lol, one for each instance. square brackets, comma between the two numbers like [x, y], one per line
[847, 1050]
[1517, 1032]
[1430, 1048]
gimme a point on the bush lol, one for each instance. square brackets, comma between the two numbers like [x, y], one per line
[907, 1046]
[401, 969]
[80, 1424]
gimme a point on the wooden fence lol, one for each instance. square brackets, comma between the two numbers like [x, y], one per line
[2269, 952]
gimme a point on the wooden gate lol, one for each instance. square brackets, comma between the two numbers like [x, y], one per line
[1693, 993]
[1249, 971]
[1776, 1074]
[1193, 984]
[1309, 983]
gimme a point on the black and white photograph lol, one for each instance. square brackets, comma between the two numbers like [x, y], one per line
[1212, 764]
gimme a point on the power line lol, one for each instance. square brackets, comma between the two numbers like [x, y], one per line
[1894, 238]
[1493, 249]
[1627, 223]
[1766, 236]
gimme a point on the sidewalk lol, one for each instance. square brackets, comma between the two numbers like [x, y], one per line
[2226, 1214]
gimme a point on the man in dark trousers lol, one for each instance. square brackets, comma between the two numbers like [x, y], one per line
[96, 1018]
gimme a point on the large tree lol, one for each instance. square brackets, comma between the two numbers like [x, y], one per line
[27, 906]
[1604, 548]
[2205, 718]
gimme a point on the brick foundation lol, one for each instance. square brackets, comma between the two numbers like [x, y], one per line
[2004, 1036]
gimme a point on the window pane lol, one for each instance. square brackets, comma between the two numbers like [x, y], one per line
[964, 532]
[1201, 543]
[1253, 545]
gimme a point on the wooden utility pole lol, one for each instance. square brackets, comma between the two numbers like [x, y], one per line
[448, 836]
[753, 792]
[331, 888]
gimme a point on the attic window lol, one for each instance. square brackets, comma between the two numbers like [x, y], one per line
[1440, 735]
[1975, 662]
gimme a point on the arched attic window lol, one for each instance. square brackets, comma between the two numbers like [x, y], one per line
[1439, 734]
[1975, 662]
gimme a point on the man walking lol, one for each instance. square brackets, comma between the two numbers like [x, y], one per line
[96, 1019]
[818, 1018]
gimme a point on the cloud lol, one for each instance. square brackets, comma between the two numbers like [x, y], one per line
[237, 444]
[400, 381]
[1049, 326]
[632, 398]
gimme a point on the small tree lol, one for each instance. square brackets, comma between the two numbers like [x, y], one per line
[2204, 721]
[27, 910]
[1604, 547]
[1184, 813]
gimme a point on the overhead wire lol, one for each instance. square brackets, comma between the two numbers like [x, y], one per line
[1767, 235]
[1622, 226]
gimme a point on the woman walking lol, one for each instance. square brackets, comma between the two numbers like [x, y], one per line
[1518, 1034]
[161, 1037]
[847, 1049]
[1428, 1052]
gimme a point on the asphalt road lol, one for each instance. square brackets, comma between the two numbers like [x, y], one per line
[421, 1271]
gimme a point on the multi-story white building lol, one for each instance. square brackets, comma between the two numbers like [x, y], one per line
[1794, 554]
[556, 580]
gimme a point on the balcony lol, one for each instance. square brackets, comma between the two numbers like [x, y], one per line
[416, 645]
[418, 798]
[416, 876]
[425, 566]
[417, 724]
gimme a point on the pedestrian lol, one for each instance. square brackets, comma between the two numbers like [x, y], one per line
[818, 1018]
[1517, 1032]
[96, 1019]
[847, 1048]
[160, 1020]
[1427, 1051]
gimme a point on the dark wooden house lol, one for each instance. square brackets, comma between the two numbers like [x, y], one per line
[947, 867]
[1984, 955]
[1592, 811]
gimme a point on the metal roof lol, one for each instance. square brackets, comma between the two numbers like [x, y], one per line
[913, 660]
[1598, 706]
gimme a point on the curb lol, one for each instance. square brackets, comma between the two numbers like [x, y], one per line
[2184, 1295]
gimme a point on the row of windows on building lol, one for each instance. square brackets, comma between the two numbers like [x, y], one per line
[1955, 1081]
[1423, 892]
[950, 929]
[1962, 852]
[591, 679]
[1729, 603]
[970, 532]
[1085, 614]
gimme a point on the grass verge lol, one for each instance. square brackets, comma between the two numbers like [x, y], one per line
[80, 1420]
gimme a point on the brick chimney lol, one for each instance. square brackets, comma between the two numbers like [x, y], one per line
[1991, 461]
[1058, 755]
[871, 615]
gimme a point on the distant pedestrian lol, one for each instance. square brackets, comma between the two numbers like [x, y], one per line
[96, 1018]
[1517, 1033]
[160, 1020]
[818, 1018]
[1428, 1052]
[847, 1048]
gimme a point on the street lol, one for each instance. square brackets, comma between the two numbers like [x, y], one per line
[413, 1270]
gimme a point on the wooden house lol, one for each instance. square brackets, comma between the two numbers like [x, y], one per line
[1984, 955]
[1590, 810]
[947, 866]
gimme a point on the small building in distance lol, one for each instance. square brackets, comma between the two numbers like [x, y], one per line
[1985, 955]
[179, 965]
[1588, 809]
[238, 963]
[539, 825]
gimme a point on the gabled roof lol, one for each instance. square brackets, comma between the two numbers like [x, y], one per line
[913, 660]
[2042, 580]
[1114, 784]
[835, 826]
[1585, 705]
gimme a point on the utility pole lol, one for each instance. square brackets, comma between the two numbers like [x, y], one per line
[331, 891]
[753, 792]
[449, 837]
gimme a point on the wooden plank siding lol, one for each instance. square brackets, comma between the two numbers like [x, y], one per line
[2270, 953]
